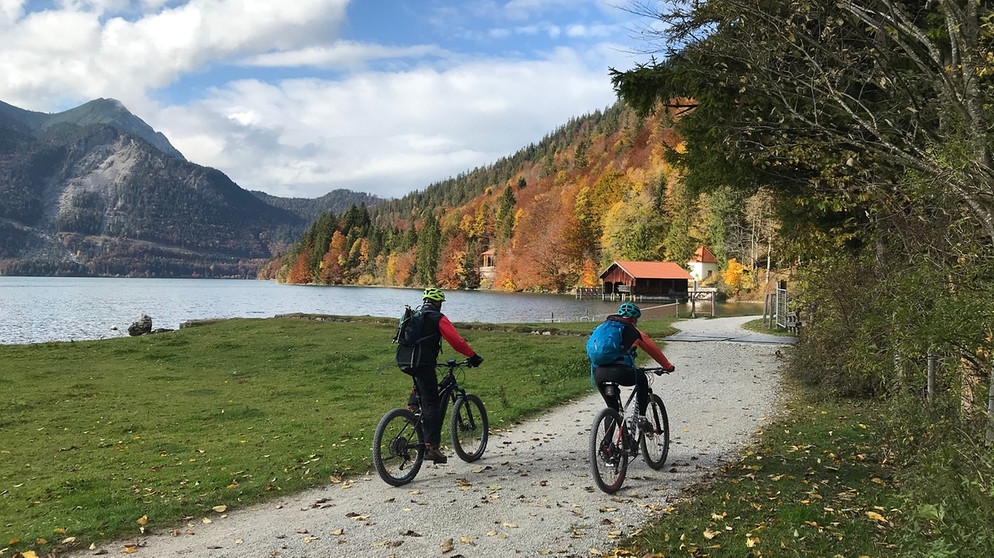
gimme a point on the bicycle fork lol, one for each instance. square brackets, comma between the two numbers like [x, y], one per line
[468, 425]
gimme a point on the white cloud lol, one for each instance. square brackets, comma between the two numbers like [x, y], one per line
[342, 54]
[318, 112]
[10, 11]
[386, 133]
[58, 57]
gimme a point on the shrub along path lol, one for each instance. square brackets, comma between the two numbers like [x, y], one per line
[532, 493]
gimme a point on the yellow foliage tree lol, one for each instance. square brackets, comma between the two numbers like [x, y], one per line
[733, 275]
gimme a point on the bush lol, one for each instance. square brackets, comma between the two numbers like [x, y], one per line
[947, 478]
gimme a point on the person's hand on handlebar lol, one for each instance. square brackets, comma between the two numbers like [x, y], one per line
[475, 360]
[661, 369]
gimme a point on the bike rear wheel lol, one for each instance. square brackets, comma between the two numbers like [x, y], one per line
[608, 451]
[469, 427]
[398, 447]
[656, 444]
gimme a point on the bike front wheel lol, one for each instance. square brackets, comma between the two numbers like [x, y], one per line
[469, 427]
[608, 451]
[656, 444]
[398, 447]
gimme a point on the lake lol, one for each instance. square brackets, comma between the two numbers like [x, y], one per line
[41, 309]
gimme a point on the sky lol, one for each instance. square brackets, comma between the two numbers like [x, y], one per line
[297, 98]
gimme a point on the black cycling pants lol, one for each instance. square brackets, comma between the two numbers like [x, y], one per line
[427, 384]
[623, 376]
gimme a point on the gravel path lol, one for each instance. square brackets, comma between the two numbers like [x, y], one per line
[531, 494]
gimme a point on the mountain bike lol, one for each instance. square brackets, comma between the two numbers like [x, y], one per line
[615, 437]
[399, 439]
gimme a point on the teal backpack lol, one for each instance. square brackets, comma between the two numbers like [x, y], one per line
[604, 345]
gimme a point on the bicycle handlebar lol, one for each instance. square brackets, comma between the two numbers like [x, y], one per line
[657, 370]
[452, 363]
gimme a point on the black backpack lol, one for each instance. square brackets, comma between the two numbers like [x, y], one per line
[408, 338]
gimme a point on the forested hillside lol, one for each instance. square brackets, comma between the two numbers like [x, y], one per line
[555, 214]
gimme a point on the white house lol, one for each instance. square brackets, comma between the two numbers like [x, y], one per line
[703, 265]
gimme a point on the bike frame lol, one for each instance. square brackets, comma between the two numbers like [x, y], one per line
[449, 389]
[617, 437]
[398, 440]
[616, 388]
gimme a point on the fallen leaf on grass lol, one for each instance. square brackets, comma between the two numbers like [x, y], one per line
[220, 509]
[876, 517]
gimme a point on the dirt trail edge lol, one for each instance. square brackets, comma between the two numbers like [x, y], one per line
[531, 494]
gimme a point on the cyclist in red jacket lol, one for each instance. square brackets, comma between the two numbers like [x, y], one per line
[436, 326]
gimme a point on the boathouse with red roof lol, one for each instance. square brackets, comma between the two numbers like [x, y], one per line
[628, 280]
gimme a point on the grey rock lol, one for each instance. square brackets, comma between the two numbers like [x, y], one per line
[141, 327]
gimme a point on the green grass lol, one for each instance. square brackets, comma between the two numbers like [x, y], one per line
[96, 435]
[817, 482]
[759, 326]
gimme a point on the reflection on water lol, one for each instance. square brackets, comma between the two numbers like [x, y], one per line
[38, 309]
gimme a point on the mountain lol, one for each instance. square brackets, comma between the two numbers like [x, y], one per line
[337, 201]
[96, 191]
[97, 112]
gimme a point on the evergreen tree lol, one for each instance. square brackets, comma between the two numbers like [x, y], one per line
[505, 213]
[429, 247]
[470, 270]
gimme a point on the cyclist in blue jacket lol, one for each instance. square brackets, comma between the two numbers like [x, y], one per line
[624, 373]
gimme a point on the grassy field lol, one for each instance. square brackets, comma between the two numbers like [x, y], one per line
[103, 439]
[816, 483]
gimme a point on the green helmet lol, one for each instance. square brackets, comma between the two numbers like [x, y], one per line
[434, 295]
[629, 310]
